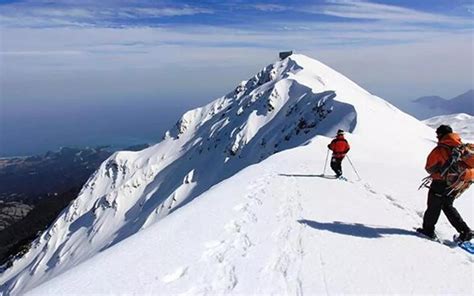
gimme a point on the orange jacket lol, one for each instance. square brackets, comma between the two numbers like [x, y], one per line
[440, 154]
[339, 147]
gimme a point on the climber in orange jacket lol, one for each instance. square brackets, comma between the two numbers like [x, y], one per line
[339, 147]
[439, 198]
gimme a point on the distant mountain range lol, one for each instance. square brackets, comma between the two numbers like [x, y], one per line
[430, 106]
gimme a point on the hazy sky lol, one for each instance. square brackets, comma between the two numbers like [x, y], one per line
[78, 64]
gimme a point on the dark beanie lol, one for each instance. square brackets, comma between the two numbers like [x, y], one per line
[444, 130]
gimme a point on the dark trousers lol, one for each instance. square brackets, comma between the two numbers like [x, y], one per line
[438, 201]
[336, 165]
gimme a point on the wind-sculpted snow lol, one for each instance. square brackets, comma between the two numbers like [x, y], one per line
[284, 106]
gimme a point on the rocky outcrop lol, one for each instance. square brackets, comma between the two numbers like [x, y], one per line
[11, 212]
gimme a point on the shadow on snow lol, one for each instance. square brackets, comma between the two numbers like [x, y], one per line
[356, 229]
[309, 176]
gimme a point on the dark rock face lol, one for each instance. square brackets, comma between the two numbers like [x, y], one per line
[284, 54]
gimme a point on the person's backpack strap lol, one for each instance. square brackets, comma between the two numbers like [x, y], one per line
[449, 162]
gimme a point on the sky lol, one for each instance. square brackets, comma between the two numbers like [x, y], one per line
[79, 72]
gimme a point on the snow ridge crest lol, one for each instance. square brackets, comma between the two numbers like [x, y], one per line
[285, 105]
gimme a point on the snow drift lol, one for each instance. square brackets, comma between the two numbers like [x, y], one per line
[286, 105]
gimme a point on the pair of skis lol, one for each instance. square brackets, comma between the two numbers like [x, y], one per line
[333, 177]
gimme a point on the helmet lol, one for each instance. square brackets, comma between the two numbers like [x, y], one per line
[443, 130]
[340, 132]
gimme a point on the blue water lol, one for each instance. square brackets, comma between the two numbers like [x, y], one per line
[29, 130]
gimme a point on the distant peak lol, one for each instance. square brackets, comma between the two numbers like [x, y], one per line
[426, 99]
[468, 95]
[470, 91]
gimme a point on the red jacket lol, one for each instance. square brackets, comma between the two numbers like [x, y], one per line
[440, 154]
[339, 147]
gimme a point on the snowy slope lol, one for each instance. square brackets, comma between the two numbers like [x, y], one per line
[277, 228]
[282, 107]
[461, 123]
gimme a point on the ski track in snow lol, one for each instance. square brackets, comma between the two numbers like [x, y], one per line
[392, 201]
[415, 216]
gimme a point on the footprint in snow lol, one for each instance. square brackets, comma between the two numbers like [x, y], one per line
[369, 188]
[241, 207]
[232, 227]
[172, 277]
[213, 244]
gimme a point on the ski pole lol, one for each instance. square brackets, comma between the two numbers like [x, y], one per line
[348, 158]
[325, 162]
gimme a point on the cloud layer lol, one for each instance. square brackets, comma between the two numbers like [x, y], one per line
[41, 39]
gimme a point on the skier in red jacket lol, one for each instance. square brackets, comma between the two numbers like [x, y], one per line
[339, 147]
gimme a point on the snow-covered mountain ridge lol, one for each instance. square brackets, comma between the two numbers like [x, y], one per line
[462, 123]
[284, 106]
[277, 227]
